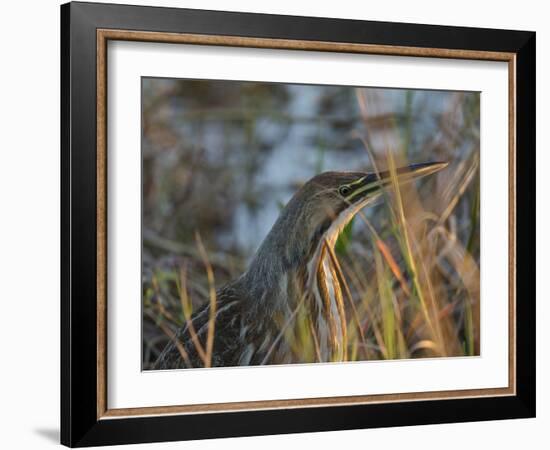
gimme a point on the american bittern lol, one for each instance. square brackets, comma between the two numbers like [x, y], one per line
[290, 271]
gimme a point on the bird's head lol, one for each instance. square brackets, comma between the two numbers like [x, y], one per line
[316, 213]
[329, 200]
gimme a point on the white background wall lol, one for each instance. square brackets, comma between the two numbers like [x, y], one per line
[29, 223]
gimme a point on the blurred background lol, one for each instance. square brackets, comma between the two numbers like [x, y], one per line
[221, 159]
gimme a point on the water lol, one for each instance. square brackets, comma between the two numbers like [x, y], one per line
[291, 139]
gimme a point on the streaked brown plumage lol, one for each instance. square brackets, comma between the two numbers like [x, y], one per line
[290, 273]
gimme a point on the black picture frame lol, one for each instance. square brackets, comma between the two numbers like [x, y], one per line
[80, 425]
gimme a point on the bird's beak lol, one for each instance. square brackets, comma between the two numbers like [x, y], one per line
[414, 171]
[374, 182]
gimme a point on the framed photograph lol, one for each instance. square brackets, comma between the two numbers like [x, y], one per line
[276, 224]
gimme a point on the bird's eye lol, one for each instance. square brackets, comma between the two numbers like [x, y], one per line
[345, 191]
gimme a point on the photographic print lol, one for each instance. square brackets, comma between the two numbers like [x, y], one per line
[273, 208]
[292, 224]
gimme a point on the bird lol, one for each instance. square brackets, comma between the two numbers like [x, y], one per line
[290, 279]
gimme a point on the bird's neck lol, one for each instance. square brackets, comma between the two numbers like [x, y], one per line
[277, 273]
[290, 270]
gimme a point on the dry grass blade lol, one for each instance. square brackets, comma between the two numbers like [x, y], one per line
[187, 310]
[468, 271]
[386, 253]
[172, 336]
[213, 305]
[409, 256]
[465, 182]
[424, 345]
